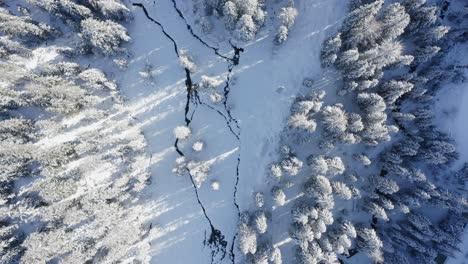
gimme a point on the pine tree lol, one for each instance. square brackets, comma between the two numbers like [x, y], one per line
[231, 14]
[330, 49]
[394, 21]
[245, 28]
[342, 190]
[368, 242]
[335, 121]
[278, 196]
[247, 239]
[425, 54]
[105, 37]
[22, 27]
[392, 90]
[360, 27]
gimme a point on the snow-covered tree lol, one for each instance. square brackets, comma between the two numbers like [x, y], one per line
[260, 222]
[330, 49]
[22, 27]
[198, 171]
[433, 35]
[384, 185]
[377, 211]
[302, 121]
[275, 257]
[424, 54]
[259, 199]
[112, 9]
[245, 28]
[335, 120]
[360, 27]
[335, 166]
[392, 90]
[187, 61]
[231, 13]
[393, 21]
[275, 170]
[210, 82]
[278, 196]
[318, 185]
[291, 165]
[198, 146]
[105, 37]
[318, 164]
[247, 239]
[342, 190]
[215, 185]
[368, 242]
[302, 213]
[281, 34]
[287, 17]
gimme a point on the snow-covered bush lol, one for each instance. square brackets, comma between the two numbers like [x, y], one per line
[198, 146]
[215, 186]
[245, 28]
[182, 132]
[187, 61]
[198, 171]
[210, 82]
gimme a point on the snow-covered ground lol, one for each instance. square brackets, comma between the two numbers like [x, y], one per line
[261, 91]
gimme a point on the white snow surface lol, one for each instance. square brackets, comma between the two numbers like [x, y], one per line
[261, 91]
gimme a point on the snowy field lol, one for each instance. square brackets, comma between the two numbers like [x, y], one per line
[262, 87]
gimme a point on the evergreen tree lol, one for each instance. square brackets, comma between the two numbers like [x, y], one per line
[105, 37]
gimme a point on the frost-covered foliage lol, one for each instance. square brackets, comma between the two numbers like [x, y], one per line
[243, 17]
